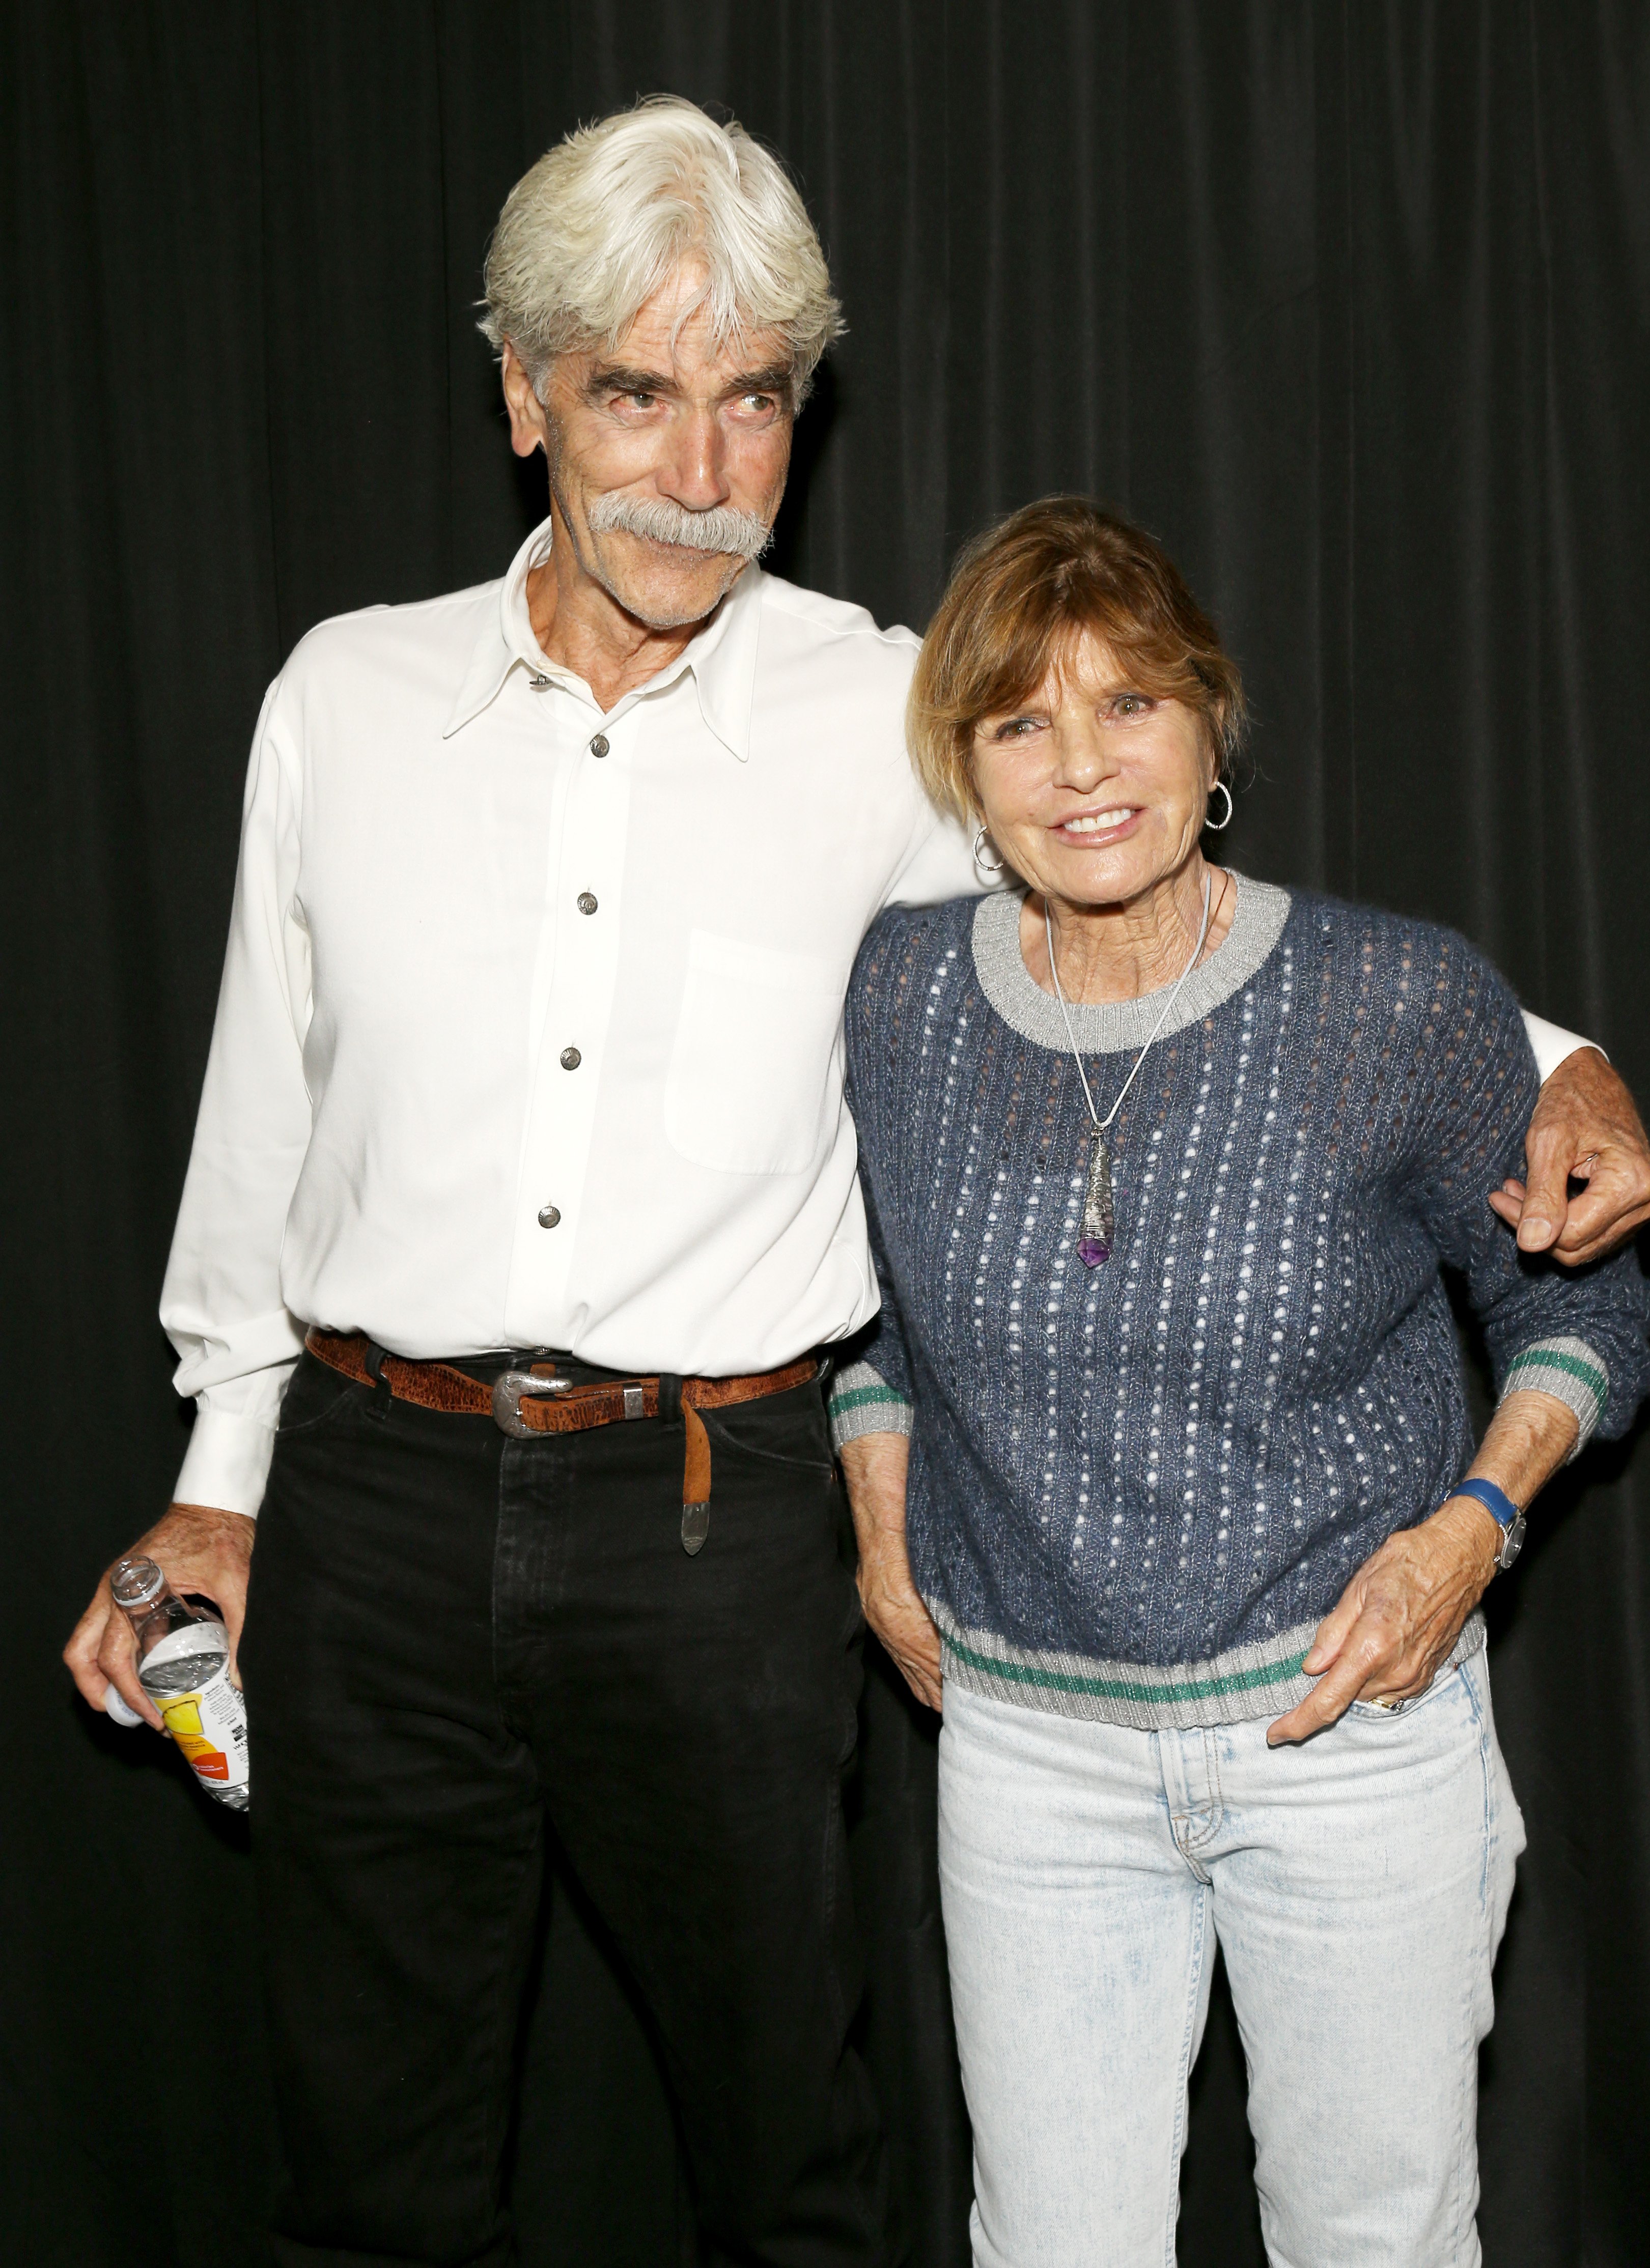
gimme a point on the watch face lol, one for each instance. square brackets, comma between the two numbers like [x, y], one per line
[1511, 1544]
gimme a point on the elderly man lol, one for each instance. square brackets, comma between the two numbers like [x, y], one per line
[521, 1199]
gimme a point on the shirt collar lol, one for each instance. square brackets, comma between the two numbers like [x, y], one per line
[722, 658]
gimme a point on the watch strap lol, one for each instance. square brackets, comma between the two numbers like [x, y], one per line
[1503, 1511]
[1495, 1501]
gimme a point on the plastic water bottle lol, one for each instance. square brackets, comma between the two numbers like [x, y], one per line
[183, 1666]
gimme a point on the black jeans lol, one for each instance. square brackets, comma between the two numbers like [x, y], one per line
[451, 1635]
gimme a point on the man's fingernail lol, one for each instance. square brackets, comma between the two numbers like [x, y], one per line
[1533, 1228]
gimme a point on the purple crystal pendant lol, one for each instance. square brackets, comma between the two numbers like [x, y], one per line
[1100, 1225]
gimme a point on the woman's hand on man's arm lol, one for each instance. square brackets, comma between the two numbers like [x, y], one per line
[1396, 1622]
[1585, 1127]
[874, 1467]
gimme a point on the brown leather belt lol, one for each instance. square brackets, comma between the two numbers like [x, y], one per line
[536, 1400]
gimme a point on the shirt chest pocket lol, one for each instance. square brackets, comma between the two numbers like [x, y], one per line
[754, 1085]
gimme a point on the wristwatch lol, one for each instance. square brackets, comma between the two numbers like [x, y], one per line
[1505, 1512]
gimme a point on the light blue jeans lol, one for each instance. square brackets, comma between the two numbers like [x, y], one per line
[1357, 1886]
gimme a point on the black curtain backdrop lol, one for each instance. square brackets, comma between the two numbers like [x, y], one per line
[1348, 302]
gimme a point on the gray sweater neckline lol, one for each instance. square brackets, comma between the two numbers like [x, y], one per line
[1104, 1026]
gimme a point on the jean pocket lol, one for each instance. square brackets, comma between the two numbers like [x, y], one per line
[787, 1429]
[315, 1394]
[1376, 1712]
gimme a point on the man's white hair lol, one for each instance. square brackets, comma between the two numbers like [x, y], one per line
[604, 219]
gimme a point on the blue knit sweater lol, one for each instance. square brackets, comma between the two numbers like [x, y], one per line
[1135, 1490]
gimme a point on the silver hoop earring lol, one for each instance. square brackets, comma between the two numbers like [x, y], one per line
[1218, 826]
[986, 865]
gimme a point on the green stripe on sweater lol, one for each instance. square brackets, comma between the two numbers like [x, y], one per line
[1589, 1373]
[1120, 1688]
[856, 1396]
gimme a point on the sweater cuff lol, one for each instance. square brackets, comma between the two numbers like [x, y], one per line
[862, 1401]
[227, 1461]
[1569, 1370]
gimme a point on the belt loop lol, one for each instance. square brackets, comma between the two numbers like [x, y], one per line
[382, 1396]
[669, 1398]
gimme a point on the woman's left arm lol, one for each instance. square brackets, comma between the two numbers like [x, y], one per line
[1570, 1353]
[1397, 1620]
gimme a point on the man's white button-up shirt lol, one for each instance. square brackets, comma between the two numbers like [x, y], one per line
[529, 1027]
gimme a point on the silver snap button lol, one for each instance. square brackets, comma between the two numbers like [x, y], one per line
[587, 902]
[599, 746]
[538, 683]
[570, 1058]
[548, 1217]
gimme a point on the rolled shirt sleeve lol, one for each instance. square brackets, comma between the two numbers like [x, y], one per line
[221, 1304]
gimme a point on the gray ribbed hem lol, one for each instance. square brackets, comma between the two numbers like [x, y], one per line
[863, 1402]
[1572, 1373]
[1264, 1680]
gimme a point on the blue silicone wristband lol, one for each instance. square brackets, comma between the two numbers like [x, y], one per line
[1494, 1500]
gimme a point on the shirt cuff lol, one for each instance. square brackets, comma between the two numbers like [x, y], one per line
[1553, 1043]
[862, 1401]
[1572, 1373]
[227, 1461]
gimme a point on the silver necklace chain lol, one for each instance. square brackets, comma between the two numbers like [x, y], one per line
[1100, 1124]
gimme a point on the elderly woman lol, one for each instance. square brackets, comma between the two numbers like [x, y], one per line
[1165, 1168]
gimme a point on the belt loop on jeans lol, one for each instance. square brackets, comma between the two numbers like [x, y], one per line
[382, 1395]
[669, 1398]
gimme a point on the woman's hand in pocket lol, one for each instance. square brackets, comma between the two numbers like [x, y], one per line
[895, 1610]
[1397, 1621]
[874, 1467]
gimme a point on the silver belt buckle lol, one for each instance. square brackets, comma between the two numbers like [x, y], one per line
[510, 1388]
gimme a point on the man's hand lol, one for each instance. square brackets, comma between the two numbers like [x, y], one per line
[1396, 1621]
[1585, 1127]
[197, 1549]
[874, 1467]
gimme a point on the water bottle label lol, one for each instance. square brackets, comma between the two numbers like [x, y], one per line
[209, 1726]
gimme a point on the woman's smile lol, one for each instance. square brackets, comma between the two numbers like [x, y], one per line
[1096, 829]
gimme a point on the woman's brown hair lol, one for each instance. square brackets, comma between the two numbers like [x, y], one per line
[1021, 596]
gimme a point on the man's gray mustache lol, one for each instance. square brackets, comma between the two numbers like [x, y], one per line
[657, 521]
